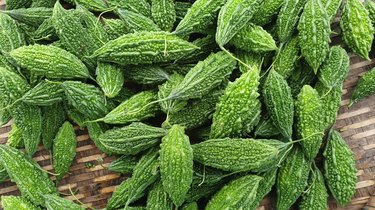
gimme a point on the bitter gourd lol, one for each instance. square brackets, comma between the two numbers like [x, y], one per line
[93, 5]
[157, 198]
[253, 60]
[365, 87]
[136, 22]
[54, 202]
[30, 16]
[15, 137]
[164, 13]
[264, 187]
[171, 106]
[356, 26]
[11, 36]
[331, 7]
[53, 118]
[302, 75]
[285, 61]
[267, 10]
[131, 139]
[206, 45]
[14, 202]
[181, 9]
[316, 194]
[370, 6]
[137, 6]
[109, 78]
[43, 3]
[115, 28]
[95, 129]
[146, 74]
[124, 164]
[190, 206]
[266, 128]
[339, 168]
[16, 4]
[44, 94]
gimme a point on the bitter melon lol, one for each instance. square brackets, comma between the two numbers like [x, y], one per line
[14, 202]
[109, 78]
[302, 75]
[146, 74]
[44, 94]
[95, 129]
[43, 3]
[137, 6]
[115, 28]
[54, 202]
[190, 206]
[253, 60]
[30, 16]
[131, 139]
[124, 164]
[266, 12]
[356, 26]
[292, 178]
[176, 164]
[157, 198]
[93, 5]
[365, 87]
[331, 7]
[285, 61]
[370, 6]
[339, 168]
[31, 180]
[206, 45]
[11, 36]
[279, 102]
[144, 48]
[136, 22]
[3, 174]
[266, 128]
[316, 194]
[16, 4]
[164, 13]
[181, 9]
[264, 187]
[171, 106]
[53, 118]
[15, 137]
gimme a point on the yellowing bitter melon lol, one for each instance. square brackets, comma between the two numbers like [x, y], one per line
[316, 194]
[164, 14]
[267, 10]
[171, 106]
[157, 198]
[136, 22]
[314, 30]
[64, 150]
[54, 202]
[110, 79]
[176, 164]
[339, 168]
[14, 202]
[131, 139]
[27, 174]
[53, 118]
[286, 60]
[356, 26]
[365, 87]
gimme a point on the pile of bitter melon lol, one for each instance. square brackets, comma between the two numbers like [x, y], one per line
[208, 104]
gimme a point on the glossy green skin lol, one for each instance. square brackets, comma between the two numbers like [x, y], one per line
[233, 16]
[181, 9]
[144, 48]
[53, 117]
[205, 76]
[279, 102]
[16, 4]
[30, 16]
[115, 28]
[238, 110]
[19, 203]
[30, 179]
[164, 14]
[254, 39]
[339, 169]
[29, 120]
[288, 17]
[15, 137]
[11, 36]
[146, 74]
[292, 179]
[266, 12]
[137, 6]
[44, 94]
[335, 68]
[357, 29]
[124, 164]
[158, 199]
[370, 6]
[264, 187]
[43, 3]
[50, 61]
[110, 79]
[314, 34]
[266, 128]
[137, 22]
[224, 154]
[92, 5]
[302, 75]
[238, 194]
[331, 6]
[365, 87]
[309, 121]
[286, 60]
[176, 164]
[131, 139]
[145, 173]
[136, 108]
[54, 202]
[316, 195]
[171, 106]
[87, 99]
[200, 17]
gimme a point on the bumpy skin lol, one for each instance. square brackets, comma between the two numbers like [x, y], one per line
[238, 110]
[171, 106]
[144, 48]
[206, 44]
[314, 31]
[146, 172]
[357, 29]
[16, 4]
[95, 129]
[137, 6]
[288, 18]
[286, 60]
[93, 5]
[53, 118]
[238, 194]
[146, 74]
[266, 12]
[315, 197]
[43, 3]
[87, 99]
[365, 87]
[224, 154]
[252, 59]
[331, 7]
[136, 22]
[15, 137]
[265, 186]
[370, 6]
[309, 119]
[19, 203]
[50, 61]
[254, 38]
[132, 139]
[158, 199]
[200, 17]
[64, 150]
[136, 108]
[115, 28]
[302, 75]
[331, 100]
[54, 202]
[124, 164]
[335, 68]
[266, 128]
[11, 36]
[181, 9]
[176, 164]
[44, 94]
[339, 168]
[292, 179]
[110, 79]
[30, 16]
[30, 179]
[233, 16]
[279, 102]
[205, 76]
[164, 14]
[45, 31]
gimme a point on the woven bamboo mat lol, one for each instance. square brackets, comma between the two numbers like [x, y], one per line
[93, 184]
